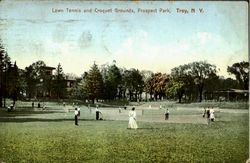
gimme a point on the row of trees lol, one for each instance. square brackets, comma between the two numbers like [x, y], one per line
[10, 82]
[110, 82]
[189, 80]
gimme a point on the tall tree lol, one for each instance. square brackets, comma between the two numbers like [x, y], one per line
[175, 87]
[156, 85]
[2, 52]
[200, 71]
[134, 83]
[149, 87]
[13, 82]
[59, 82]
[241, 72]
[112, 81]
[35, 78]
[93, 86]
[6, 72]
[146, 75]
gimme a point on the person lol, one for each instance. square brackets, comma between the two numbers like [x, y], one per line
[208, 113]
[32, 104]
[78, 109]
[212, 116]
[44, 106]
[204, 114]
[38, 105]
[89, 108]
[8, 109]
[64, 104]
[166, 114]
[76, 118]
[97, 112]
[120, 110]
[132, 119]
[160, 106]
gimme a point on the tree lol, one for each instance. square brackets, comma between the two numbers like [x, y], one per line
[149, 87]
[175, 87]
[35, 78]
[146, 75]
[180, 83]
[112, 81]
[2, 53]
[200, 71]
[59, 82]
[241, 72]
[156, 85]
[134, 83]
[6, 71]
[13, 86]
[93, 86]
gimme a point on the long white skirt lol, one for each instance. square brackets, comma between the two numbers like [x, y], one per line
[132, 123]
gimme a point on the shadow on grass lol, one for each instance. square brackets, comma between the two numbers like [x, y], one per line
[24, 113]
[23, 120]
[144, 128]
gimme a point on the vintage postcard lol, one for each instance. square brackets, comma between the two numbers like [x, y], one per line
[124, 81]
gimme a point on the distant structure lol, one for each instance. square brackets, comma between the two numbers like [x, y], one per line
[46, 92]
[41, 91]
[227, 95]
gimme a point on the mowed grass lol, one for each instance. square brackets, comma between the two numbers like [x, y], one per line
[31, 135]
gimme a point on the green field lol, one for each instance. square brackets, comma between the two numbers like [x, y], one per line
[33, 135]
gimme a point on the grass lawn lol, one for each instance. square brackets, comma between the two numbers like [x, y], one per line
[32, 135]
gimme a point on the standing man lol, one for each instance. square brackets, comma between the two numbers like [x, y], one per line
[97, 112]
[76, 118]
[166, 114]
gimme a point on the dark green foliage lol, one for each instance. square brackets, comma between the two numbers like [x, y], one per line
[59, 83]
[133, 81]
[35, 79]
[2, 53]
[93, 86]
[112, 80]
[241, 72]
[13, 85]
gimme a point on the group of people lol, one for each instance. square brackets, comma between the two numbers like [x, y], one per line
[11, 108]
[209, 113]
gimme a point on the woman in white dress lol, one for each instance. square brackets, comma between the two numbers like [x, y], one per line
[132, 119]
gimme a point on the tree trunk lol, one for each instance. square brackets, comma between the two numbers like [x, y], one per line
[1, 103]
[200, 91]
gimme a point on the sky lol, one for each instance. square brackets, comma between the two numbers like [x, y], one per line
[32, 31]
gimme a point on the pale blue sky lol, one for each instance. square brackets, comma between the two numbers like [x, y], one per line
[156, 41]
